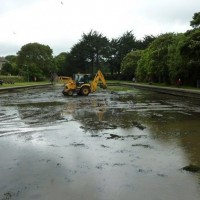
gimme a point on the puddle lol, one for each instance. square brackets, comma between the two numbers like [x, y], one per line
[109, 145]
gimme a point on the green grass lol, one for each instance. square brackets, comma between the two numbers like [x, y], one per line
[117, 81]
[155, 84]
[172, 86]
[5, 85]
[117, 88]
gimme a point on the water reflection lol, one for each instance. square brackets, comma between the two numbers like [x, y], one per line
[167, 117]
[142, 140]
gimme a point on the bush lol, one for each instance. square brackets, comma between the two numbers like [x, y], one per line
[12, 79]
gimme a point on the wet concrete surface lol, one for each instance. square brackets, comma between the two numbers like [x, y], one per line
[110, 145]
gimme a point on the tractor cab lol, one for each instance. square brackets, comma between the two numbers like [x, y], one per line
[81, 78]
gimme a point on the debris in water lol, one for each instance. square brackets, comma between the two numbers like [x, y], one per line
[7, 196]
[78, 144]
[191, 168]
[138, 125]
[104, 146]
[113, 136]
[142, 145]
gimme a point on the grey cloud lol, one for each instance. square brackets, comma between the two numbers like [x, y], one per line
[170, 11]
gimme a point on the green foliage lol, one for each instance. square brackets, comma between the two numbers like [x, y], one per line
[14, 79]
[10, 67]
[171, 56]
[79, 57]
[147, 40]
[113, 58]
[175, 61]
[35, 60]
[195, 23]
[142, 73]
[63, 64]
[190, 52]
[120, 47]
[129, 64]
[7, 69]
[155, 58]
[90, 53]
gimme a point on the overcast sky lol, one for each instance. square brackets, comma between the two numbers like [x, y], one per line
[61, 23]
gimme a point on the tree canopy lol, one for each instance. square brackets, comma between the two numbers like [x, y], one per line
[195, 23]
[90, 51]
[35, 60]
[130, 64]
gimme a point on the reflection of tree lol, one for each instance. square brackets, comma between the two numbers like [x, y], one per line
[112, 119]
[175, 122]
[90, 112]
[102, 113]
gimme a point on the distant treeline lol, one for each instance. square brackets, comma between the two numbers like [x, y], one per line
[163, 58]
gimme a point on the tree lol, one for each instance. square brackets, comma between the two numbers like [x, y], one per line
[7, 69]
[160, 56]
[113, 58]
[79, 58]
[118, 48]
[126, 44]
[35, 60]
[190, 52]
[96, 46]
[195, 22]
[176, 63]
[90, 52]
[142, 71]
[63, 64]
[129, 64]
[10, 67]
[154, 60]
[145, 42]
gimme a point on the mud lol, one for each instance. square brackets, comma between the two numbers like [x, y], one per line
[192, 168]
[113, 144]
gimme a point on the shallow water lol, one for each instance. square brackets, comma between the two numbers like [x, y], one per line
[109, 145]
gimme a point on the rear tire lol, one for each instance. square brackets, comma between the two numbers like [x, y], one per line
[85, 90]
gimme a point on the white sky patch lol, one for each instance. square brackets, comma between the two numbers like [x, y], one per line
[61, 25]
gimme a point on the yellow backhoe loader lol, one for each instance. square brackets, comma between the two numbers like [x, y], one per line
[81, 86]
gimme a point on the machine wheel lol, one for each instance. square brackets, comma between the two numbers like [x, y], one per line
[70, 93]
[85, 91]
[64, 92]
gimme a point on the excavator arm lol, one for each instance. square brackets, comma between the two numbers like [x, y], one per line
[94, 83]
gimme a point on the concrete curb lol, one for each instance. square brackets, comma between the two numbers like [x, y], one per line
[167, 90]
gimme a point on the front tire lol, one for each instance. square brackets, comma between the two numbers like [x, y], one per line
[85, 91]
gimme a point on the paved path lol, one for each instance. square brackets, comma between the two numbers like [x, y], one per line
[193, 93]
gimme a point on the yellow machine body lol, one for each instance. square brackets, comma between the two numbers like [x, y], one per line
[82, 86]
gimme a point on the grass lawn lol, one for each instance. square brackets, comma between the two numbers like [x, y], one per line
[23, 84]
